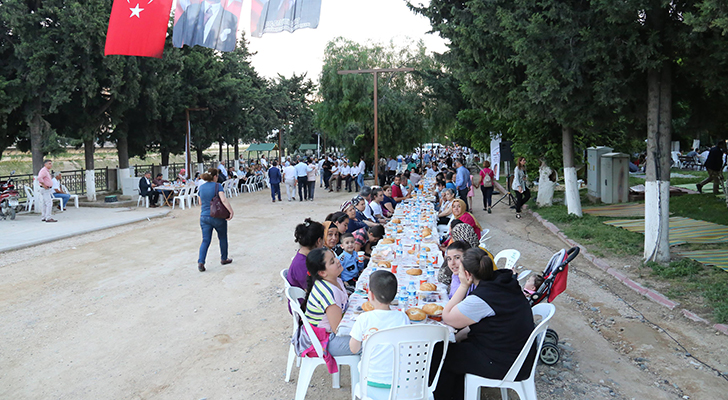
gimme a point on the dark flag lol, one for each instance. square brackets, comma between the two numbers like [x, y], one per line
[207, 23]
[138, 28]
[273, 16]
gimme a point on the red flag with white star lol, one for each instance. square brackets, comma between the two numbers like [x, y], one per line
[138, 27]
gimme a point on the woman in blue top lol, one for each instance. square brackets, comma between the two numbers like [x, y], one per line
[207, 192]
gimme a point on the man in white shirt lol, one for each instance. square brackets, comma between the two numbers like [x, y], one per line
[335, 177]
[264, 161]
[354, 176]
[360, 177]
[302, 175]
[320, 166]
[345, 175]
[290, 178]
[391, 169]
[58, 191]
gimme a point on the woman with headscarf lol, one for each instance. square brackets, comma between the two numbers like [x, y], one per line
[354, 225]
[458, 212]
[331, 235]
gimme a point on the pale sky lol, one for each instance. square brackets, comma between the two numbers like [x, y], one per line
[358, 20]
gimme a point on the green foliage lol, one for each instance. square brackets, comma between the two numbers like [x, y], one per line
[676, 269]
[704, 207]
[409, 111]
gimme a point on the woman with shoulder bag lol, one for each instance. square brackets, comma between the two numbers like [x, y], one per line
[487, 176]
[215, 212]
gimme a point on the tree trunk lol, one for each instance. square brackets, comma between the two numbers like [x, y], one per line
[36, 141]
[573, 202]
[657, 184]
[88, 152]
[165, 157]
[122, 148]
[237, 150]
[200, 158]
[219, 152]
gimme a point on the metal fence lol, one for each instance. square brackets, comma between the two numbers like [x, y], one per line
[173, 169]
[74, 180]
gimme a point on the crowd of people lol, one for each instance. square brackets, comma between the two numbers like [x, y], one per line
[487, 306]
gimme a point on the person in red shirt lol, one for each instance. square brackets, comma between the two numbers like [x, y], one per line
[397, 190]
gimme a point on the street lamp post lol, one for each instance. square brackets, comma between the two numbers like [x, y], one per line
[375, 72]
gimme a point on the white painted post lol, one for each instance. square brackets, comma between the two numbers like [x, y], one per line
[90, 185]
[122, 173]
[37, 198]
[165, 172]
[200, 168]
[657, 203]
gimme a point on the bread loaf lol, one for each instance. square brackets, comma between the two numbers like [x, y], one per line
[415, 314]
[414, 271]
[385, 264]
[432, 309]
[367, 306]
[428, 287]
[386, 241]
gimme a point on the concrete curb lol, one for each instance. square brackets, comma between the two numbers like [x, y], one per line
[83, 232]
[651, 294]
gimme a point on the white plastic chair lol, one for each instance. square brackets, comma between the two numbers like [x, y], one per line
[412, 347]
[193, 197]
[523, 276]
[297, 294]
[181, 198]
[484, 239]
[30, 199]
[74, 197]
[249, 184]
[526, 389]
[142, 199]
[309, 364]
[234, 186]
[510, 255]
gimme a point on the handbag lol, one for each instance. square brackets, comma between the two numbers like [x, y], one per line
[217, 209]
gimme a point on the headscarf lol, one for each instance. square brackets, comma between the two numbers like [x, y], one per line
[466, 233]
[345, 205]
[327, 225]
[464, 207]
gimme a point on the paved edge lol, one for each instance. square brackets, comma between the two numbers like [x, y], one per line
[66, 236]
[651, 294]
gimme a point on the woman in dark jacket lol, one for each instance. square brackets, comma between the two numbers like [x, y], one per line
[493, 306]
[207, 223]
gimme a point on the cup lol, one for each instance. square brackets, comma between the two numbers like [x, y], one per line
[423, 280]
[360, 256]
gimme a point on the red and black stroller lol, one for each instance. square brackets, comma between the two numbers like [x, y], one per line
[554, 283]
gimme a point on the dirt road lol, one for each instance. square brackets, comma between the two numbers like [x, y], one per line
[124, 314]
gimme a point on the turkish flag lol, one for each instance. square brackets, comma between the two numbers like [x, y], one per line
[138, 27]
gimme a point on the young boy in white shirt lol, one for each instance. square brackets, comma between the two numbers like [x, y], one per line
[382, 290]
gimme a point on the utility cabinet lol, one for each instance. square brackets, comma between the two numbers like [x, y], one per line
[614, 178]
[593, 176]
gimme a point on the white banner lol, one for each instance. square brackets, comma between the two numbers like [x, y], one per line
[495, 155]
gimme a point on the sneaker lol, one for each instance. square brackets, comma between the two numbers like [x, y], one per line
[50, 220]
[518, 216]
[201, 267]
[225, 262]
[489, 211]
[699, 187]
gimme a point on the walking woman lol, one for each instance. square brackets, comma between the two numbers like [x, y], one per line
[207, 192]
[487, 176]
[519, 185]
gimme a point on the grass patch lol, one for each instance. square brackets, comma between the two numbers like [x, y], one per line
[689, 278]
[704, 207]
[602, 240]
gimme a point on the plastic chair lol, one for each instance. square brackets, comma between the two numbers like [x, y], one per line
[144, 199]
[412, 345]
[181, 198]
[297, 293]
[526, 389]
[510, 255]
[484, 239]
[74, 197]
[309, 364]
[192, 196]
[523, 276]
[30, 199]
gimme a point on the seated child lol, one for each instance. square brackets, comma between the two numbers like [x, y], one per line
[532, 284]
[382, 290]
[348, 260]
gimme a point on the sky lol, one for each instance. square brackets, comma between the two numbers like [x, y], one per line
[358, 20]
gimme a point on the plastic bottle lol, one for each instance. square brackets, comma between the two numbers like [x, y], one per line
[403, 298]
[412, 293]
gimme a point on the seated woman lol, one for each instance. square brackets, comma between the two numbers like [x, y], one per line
[331, 235]
[450, 269]
[458, 211]
[360, 204]
[340, 221]
[388, 203]
[446, 208]
[326, 298]
[350, 211]
[500, 322]
[309, 235]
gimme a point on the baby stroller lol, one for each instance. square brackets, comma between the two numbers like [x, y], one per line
[554, 283]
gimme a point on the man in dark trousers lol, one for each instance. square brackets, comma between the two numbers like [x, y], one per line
[274, 176]
[146, 189]
[462, 181]
[714, 165]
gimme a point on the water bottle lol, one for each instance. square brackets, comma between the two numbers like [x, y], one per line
[430, 272]
[403, 298]
[412, 292]
[399, 254]
[423, 261]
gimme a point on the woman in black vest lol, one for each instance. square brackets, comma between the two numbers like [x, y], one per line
[493, 306]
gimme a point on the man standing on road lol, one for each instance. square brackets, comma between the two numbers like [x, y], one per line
[302, 175]
[274, 178]
[326, 166]
[714, 165]
[289, 177]
[46, 184]
[360, 176]
[462, 181]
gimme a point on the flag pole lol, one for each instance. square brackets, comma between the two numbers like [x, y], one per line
[375, 72]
